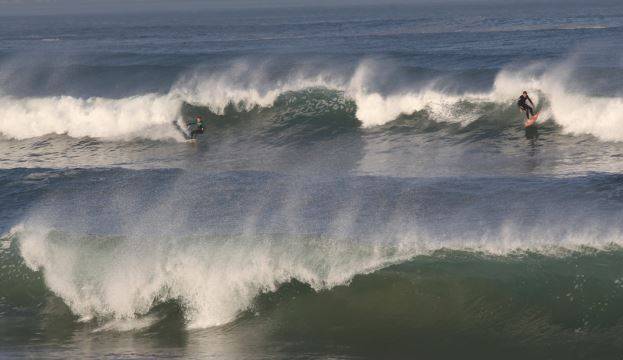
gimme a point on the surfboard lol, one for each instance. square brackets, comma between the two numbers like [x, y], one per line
[532, 120]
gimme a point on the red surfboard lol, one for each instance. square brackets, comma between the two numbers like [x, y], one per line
[532, 120]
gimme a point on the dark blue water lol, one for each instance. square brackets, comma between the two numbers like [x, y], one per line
[364, 187]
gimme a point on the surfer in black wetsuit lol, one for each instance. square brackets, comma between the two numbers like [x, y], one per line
[528, 109]
[197, 127]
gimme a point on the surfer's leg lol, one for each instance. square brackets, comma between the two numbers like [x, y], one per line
[526, 110]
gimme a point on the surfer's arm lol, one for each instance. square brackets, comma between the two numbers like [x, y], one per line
[531, 103]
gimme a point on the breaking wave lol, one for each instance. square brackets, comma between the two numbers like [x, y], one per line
[119, 284]
[244, 87]
[350, 258]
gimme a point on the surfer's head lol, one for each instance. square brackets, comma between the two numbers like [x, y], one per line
[525, 93]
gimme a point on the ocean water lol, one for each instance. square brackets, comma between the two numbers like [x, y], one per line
[364, 188]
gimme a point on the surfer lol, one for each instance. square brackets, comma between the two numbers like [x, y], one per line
[521, 103]
[197, 127]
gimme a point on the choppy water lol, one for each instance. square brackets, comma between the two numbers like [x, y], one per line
[364, 187]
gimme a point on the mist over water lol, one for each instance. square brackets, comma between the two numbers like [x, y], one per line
[364, 187]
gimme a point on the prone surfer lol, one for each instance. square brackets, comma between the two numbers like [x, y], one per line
[521, 103]
[197, 127]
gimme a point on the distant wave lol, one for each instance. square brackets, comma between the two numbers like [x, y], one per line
[582, 26]
[243, 87]
[543, 27]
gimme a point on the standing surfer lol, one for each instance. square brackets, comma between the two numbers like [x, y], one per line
[197, 127]
[523, 105]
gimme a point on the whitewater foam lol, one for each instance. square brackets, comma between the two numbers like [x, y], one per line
[147, 116]
[121, 325]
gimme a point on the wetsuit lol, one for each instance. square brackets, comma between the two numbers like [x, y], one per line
[198, 129]
[529, 109]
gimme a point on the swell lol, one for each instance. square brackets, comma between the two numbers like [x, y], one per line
[359, 95]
